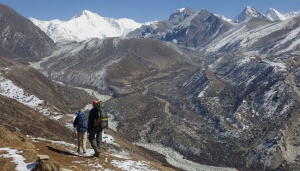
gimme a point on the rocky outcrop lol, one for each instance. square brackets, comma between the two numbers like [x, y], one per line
[47, 165]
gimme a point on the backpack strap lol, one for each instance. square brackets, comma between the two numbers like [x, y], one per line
[97, 120]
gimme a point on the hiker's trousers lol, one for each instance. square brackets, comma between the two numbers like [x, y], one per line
[81, 141]
[95, 138]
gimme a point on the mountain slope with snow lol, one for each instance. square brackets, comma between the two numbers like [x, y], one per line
[247, 13]
[275, 15]
[85, 26]
[259, 35]
[292, 14]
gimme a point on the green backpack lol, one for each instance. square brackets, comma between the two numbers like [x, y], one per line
[102, 118]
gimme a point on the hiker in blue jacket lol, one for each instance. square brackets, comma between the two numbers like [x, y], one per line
[80, 123]
[94, 128]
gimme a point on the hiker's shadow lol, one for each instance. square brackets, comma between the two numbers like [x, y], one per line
[66, 152]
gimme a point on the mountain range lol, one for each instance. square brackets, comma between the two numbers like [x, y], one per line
[217, 92]
[90, 25]
[87, 25]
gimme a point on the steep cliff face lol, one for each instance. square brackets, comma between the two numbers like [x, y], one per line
[20, 39]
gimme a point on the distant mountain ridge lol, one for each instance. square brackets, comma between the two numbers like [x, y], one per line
[90, 25]
[86, 25]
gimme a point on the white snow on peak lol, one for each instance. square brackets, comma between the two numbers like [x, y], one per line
[291, 14]
[248, 12]
[85, 26]
[274, 15]
[181, 9]
[223, 18]
[251, 11]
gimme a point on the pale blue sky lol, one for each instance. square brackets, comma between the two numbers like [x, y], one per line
[140, 10]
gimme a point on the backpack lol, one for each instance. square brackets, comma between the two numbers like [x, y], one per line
[82, 122]
[102, 118]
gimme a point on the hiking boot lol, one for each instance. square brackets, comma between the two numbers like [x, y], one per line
[97, 153]
[84, 151]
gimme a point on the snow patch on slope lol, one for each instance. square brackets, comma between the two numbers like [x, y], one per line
[17, 159]
[8, 89]
[241, 37]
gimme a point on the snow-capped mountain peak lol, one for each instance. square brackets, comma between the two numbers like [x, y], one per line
[274, 15]
[87, 12]
[88, 15]
[180, 14]
[86, 25]
[249, 12]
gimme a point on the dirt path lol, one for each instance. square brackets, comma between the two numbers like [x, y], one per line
[119, 156]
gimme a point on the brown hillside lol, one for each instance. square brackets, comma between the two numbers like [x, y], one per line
[19, 122]
[62, 98]
[21, 40]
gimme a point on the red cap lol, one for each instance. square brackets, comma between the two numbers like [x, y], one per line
[95, 102]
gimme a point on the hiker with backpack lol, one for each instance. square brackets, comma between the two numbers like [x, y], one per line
[97, 121]
[81, 125]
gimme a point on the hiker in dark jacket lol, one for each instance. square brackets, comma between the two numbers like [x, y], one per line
[80, 123]
[94, 128]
